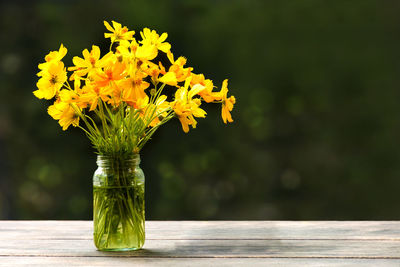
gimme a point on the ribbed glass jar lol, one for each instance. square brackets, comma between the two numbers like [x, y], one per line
[118, 203]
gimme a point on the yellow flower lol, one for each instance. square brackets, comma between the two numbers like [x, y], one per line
[116, 88]
[181, 73]
[125, 53]
[90, 61]
[67, 96]
[118, 33]
[227, 103]
[90, 95]
[146, 51]
[207, 94]
[112, 72]
[185, 107]
[53, 56]
[63, 110]
[153, 70]
[56, 55]
[53, 78]
[133, 88]
[151, 43]
[151, 37]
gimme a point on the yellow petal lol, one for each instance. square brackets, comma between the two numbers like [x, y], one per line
[198, 112]
[108, 35]
[46, 90]
[39, 94]
[187, 82]
[146, 52]
[185, 124]
[79, 62]
[95, 52]
[170, 57]
[180, 94]
[86, 54]
[165, 47]
[144, 33]
[116, 25]
[197, 88]
[62, 51]
[169, 78]
[163, 37]
[108, 26]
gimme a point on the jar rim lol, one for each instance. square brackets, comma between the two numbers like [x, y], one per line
[103, 160]
[128, 156]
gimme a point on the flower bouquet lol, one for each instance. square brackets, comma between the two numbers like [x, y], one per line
[119, 100]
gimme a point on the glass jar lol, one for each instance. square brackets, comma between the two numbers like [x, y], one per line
[118, 203]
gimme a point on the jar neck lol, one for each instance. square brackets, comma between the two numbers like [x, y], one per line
[105, 161]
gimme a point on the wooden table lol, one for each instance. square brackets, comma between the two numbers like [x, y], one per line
[207, 243]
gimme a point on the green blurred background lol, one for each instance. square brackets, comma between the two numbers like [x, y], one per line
[317, 120]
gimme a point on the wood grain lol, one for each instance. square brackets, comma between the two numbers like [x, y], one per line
[375, 230]
[212, 249]
[201, 243]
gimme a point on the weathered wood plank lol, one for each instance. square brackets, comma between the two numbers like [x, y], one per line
[201, 262]
[202, 243]
[212, 248]
[367, 230]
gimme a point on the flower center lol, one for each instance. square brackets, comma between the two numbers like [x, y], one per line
[92, 61]
[53, 79]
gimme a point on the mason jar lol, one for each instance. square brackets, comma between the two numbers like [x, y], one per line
[118, 203]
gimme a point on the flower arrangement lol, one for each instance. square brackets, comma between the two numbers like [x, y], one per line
[119, 100]
[120, 97]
